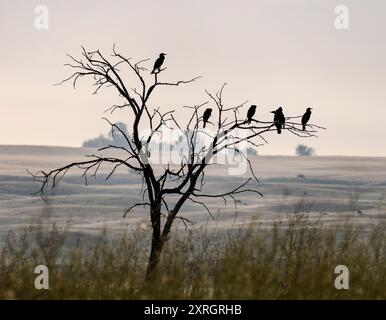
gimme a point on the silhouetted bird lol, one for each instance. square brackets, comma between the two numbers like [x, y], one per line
[158, 63]
[206, 115]
[306, 117]
[251, 113]
[279, 119]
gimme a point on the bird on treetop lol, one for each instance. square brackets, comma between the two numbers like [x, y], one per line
[206, 116]
[158, 63]
[306, 117]
[279, 119]
[251, 113]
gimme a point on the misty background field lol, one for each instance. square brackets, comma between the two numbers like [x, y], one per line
[337, 188]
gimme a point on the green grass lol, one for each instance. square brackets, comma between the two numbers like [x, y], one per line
[294, 260]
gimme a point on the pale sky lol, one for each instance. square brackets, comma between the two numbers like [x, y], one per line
[271, 53]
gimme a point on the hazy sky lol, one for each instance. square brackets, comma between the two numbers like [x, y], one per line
[272, 53]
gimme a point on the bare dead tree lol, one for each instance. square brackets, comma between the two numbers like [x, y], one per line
[186, 180]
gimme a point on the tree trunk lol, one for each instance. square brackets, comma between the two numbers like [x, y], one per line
[158, 238]
[156, 242]
[155, 254]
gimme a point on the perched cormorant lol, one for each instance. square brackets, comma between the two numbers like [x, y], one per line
[306, 118]
[206, 116]
[158, 63]
[279, 119]
[251, 113]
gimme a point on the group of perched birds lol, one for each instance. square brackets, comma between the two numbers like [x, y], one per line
[278, 118]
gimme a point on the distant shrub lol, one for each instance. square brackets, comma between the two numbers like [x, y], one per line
[251, 151]
[115, 137]
[303, 150]
[98, 142]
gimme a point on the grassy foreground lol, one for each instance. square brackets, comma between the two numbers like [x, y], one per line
[294, 260]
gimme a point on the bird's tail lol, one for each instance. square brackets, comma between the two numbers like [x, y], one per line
[204, 124]
[278, 131]
[304, 127]
[249, 121]
[152, 71]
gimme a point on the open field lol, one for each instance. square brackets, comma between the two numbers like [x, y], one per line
[337, 188]
[295, 262]
[316, 213]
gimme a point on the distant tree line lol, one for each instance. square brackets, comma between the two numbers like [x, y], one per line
[114, 137]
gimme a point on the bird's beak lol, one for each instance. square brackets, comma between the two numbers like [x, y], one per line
[272, 111]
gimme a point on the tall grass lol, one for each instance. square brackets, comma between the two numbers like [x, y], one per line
[293, 260]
